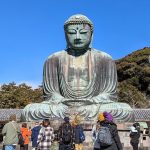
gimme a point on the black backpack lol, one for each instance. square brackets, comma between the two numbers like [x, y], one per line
[67, 133]
[20, 139]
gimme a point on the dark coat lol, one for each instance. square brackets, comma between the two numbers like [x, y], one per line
[135, 137]
[116, 136]
[116, 144]
[34, 135]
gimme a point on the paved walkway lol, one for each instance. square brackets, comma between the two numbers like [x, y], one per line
[84, 148]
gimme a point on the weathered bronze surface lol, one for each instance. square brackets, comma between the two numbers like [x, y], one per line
[79, 79]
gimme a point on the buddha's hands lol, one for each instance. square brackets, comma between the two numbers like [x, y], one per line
[58, 110]
[101, 99]
[56, 99]
[56, 106]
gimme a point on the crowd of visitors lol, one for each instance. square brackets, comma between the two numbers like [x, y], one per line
[70, 135]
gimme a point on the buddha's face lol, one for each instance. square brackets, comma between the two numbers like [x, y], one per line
[78, 36]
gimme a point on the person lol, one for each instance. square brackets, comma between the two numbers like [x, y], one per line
[95, 130]
[78, 133]
[26, 133]
[1, 136]
[66, 135]
[106, 121]
[10, 132]
[135, 135]
[114, 131]
[46, 136]
[79, 79]
[34, 135]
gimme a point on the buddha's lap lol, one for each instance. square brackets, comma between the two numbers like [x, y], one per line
[78, 105]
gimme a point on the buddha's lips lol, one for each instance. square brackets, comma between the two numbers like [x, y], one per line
[78, 42]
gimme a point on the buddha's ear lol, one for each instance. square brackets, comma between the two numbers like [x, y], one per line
[91, 40]
[66, 37]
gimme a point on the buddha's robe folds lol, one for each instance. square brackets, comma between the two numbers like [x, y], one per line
[92, 78]
[84, 84]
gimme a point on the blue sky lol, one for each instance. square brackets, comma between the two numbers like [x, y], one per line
[31, 30]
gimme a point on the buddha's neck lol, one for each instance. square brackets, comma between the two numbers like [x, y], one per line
[76, 52]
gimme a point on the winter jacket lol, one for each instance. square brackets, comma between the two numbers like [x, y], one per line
[45, 138]
[10, 131]
[34, 135]
[77, 130]
[115, 135]
[134, 137]
[26, 135]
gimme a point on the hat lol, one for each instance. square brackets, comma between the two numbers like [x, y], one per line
[101, 117]
[136, 125]
[108, 116]
[66, 119]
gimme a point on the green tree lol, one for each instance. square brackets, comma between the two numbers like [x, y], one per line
[130, 94]
[134, 74]
[18, 96]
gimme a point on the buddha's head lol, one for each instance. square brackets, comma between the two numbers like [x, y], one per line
[78, 31]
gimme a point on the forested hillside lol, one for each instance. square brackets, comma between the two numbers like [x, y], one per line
[134, 78]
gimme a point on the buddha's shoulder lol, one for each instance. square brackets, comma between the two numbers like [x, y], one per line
[100, 53]
[57, 54]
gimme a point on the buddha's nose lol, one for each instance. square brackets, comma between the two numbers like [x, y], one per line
[77, 35]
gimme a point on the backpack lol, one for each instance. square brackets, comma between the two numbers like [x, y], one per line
[105, 137]
[20, 139]
[67, 133]
[81, 135]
